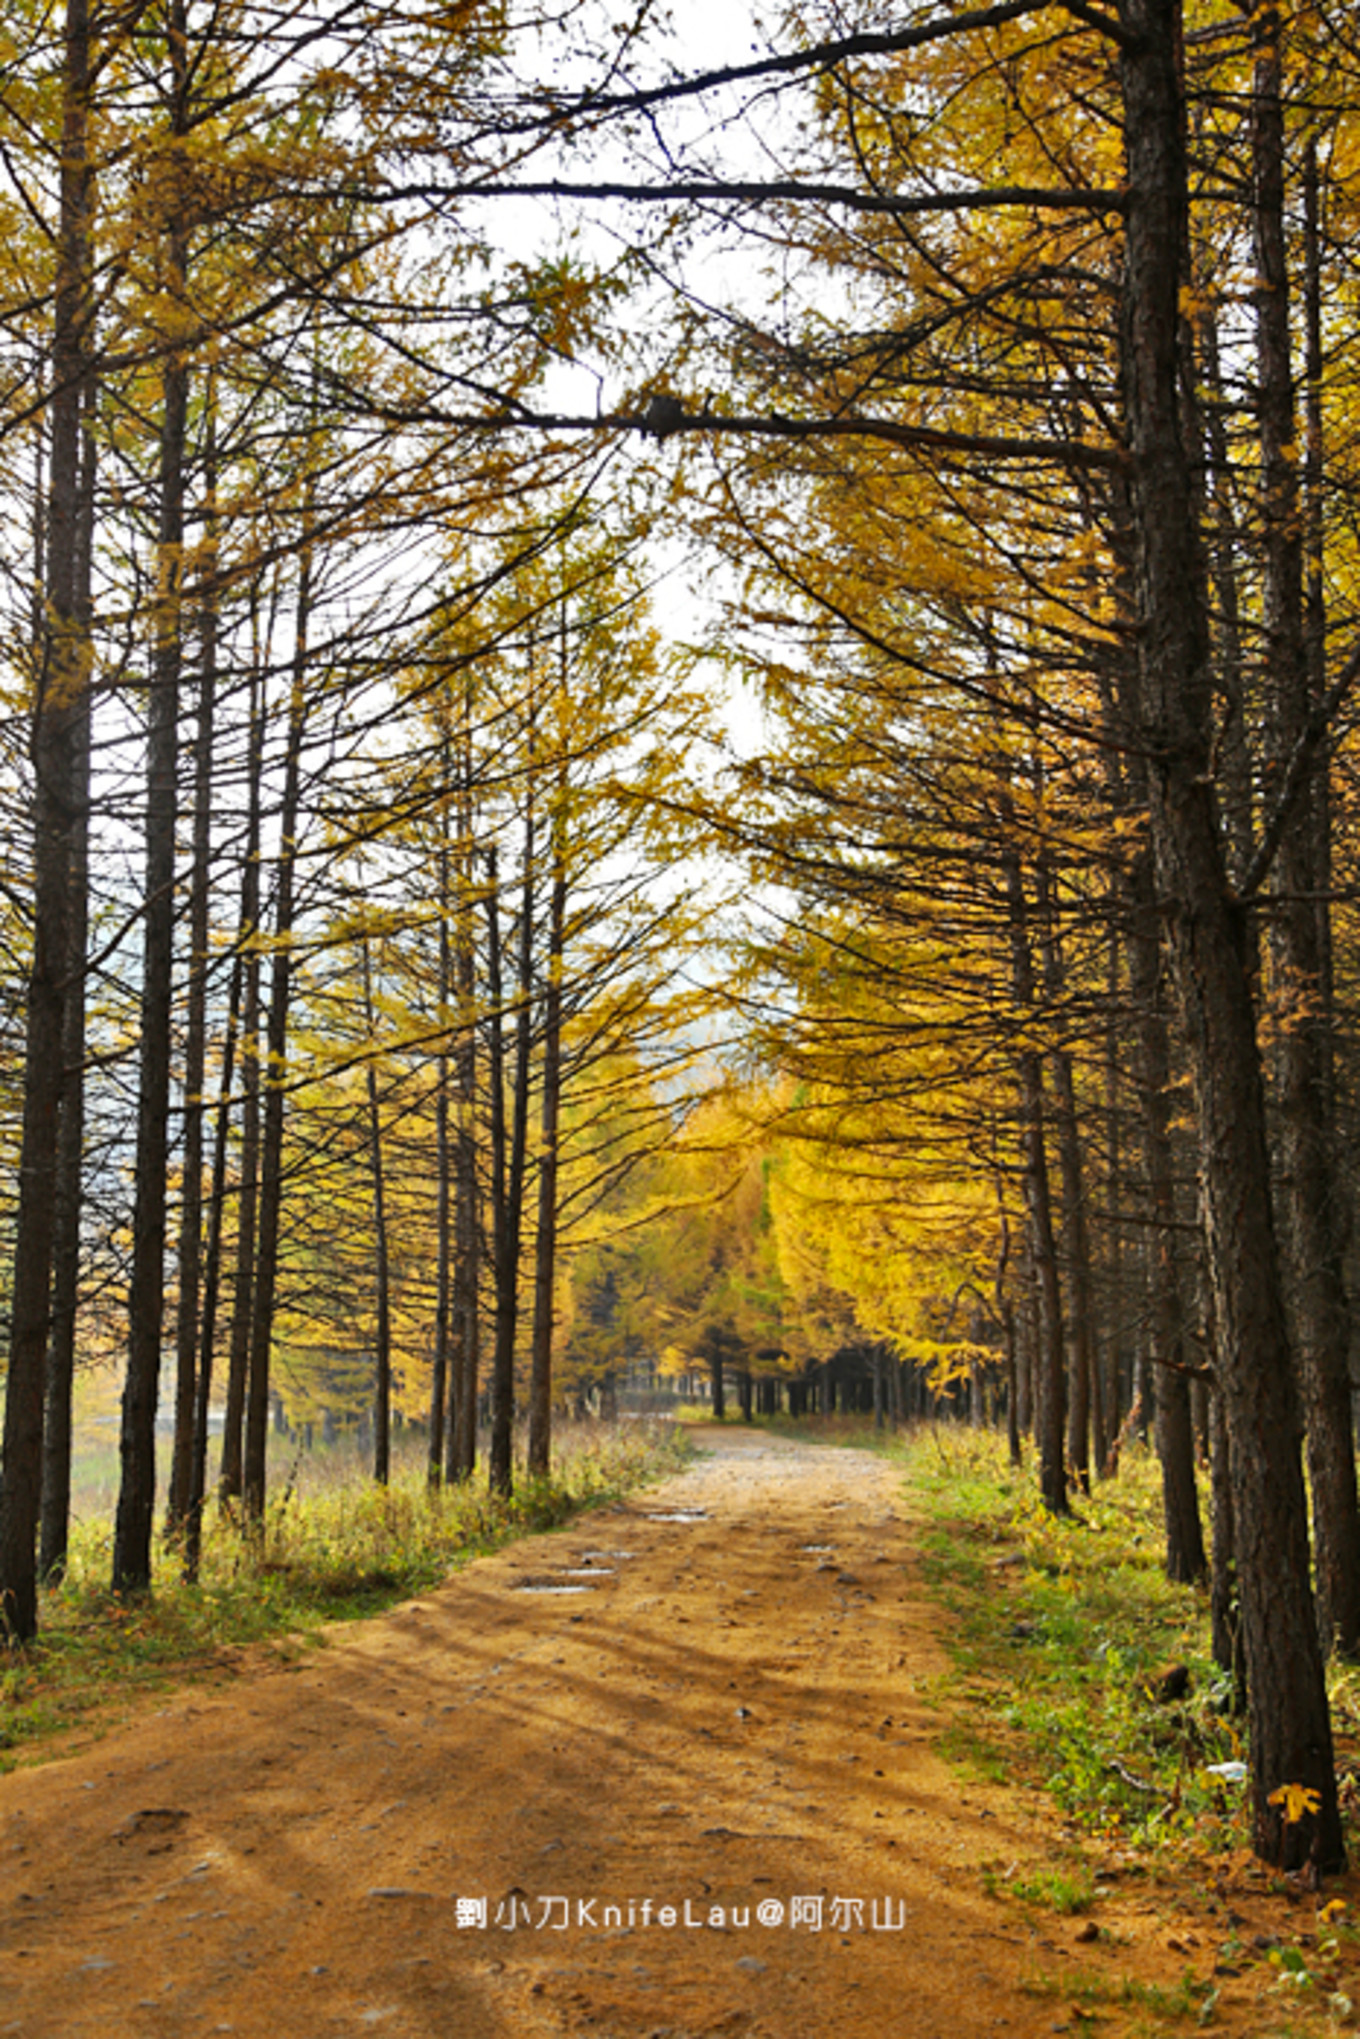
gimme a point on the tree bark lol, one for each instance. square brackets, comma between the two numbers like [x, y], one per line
[1320, 1313]
[545, 1243]
[441, 1399]
[382, 1377]
[146, 1294]
[1185, 1559]
[58, 714]
[196, 1031]
[212, 1265]
[247, 1198]
[466, 1297]
[1291, 1740]
[276, 1069]
[1050, 1395]
[1084, 1386]
[54, 1531]
[500, 1468]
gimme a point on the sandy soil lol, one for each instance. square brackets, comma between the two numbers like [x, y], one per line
[733, 1713]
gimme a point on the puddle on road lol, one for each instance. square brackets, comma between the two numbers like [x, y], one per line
[589, 1572]
[590, 1557]
[547, 1586]
[680, 1515]
[819, 1550]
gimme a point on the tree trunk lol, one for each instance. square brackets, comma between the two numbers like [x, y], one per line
[441, 1400]
[61, 1351]
[56, 720]
[1185, 1560]
[1291, 1740]
[500, 1468]
[1320, 1315]
[466, 1298]
[247, 1198]
[382, 1383]
[1050, 1359]
[545, 1253]
[276, 1060]
[195, 1042]
[212, 1265]
[146, 1292]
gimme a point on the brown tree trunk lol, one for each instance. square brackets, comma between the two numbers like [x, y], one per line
[441, 1400]
[464, 1358]
[195, 1040]
[212, 1265]
[1076, 1250]
[545, 1253]
[61, 1351]
[247, 1198]
[253, 1470]
[382, 1380]
[1050, 1370]
[504, 1256]
[1291, 1740]
[1320, 1314]
[146, 1292]
[1185, 1559]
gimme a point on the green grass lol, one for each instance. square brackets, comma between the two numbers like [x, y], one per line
[1067, 1623]
[1189, 1998]
[337, 1552]
[1068, 1893]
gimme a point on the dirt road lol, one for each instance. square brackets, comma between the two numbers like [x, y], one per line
[507, 1812]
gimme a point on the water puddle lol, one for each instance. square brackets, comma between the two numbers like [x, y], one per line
[589, 1572]
[547, 1586]
[681, 1515]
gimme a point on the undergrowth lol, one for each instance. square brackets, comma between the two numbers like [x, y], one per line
[1072, 1624]
[334, 1553]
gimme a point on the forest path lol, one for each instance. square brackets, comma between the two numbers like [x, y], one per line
[280, 1853]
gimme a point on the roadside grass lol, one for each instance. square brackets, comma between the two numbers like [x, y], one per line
[1071, 1625]
[341, 1550]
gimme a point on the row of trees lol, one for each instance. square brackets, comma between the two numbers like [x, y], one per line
[1042, 499]
[355, 962]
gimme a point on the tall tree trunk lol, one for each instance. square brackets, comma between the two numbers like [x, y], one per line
[62, 677]
[466, 1298]
[1238, 776]
[441, 1399]
[545, 1245]
[247, 1199]
[146, 1293]
[1050, 1369]
[500, 1469]
[1291, 1741]
[1084, 1387]
[382, 1375]
[1185, 1560]
[276, 1065]
[1321, 1317]
[61, 1352]
[1111, 1412]
[196, 1027]
[212, 1266]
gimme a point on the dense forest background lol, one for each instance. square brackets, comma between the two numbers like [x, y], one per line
[418, 421]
